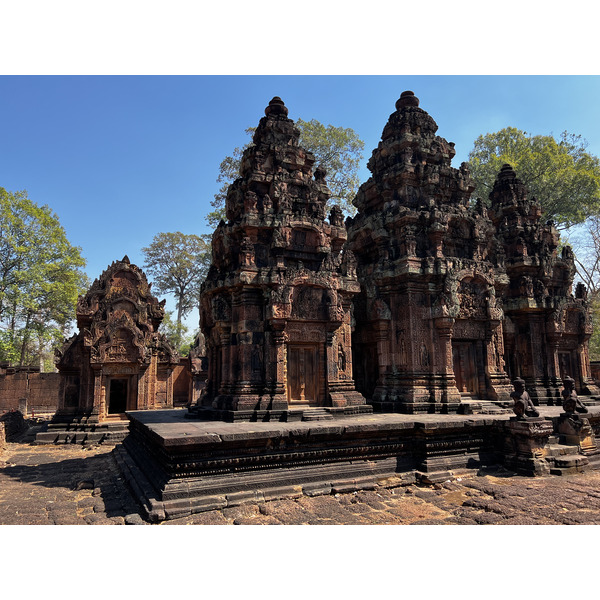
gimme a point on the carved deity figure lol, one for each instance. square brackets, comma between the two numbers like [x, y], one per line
[571, 403]
[523, 406]
[526, 286]
[250, 201]
[267, 204]
[336, 216]
[341, 358]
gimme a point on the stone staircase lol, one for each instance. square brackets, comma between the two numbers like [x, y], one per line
[469, 406]
[81, 432]
[316, 414]
[565, 459]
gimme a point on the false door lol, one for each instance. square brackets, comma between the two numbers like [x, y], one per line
[465, 367]
[302, 371]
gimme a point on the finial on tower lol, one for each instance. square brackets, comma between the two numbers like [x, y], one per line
[276, 107]
[407, 98]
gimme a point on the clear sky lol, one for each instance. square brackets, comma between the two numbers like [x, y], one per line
[121, 158]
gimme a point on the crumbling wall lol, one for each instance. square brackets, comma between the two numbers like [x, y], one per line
[595, 368]
[13, 424]
[39, 389]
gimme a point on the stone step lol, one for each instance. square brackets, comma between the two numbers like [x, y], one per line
[564, 465]
[116, 426]
[482, 407]
[80, 437]
[570, 461]
[556, 449]
[316, 414]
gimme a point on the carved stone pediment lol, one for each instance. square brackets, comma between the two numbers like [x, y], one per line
[118, 319]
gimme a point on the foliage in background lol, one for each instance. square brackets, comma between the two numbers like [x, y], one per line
[586, 245]
[177, 264]
[178, 334]
[41, 277]
[561, 175]
[336, 149]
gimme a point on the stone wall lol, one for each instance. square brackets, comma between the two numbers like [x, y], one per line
[40, 390]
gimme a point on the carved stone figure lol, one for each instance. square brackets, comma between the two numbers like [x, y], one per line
[571, 403]
[523, 406]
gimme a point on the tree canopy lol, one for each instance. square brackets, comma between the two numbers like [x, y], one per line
[179, 335]
[40, 278]
[337, 149]
[177, 264]
[561, 175]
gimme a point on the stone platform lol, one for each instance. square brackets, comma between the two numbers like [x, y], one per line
[177, 466]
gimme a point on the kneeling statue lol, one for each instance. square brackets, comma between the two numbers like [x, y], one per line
[523, 406]
[571, 403]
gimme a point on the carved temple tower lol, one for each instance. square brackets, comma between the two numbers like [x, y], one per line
[118, 361]
[276, 304]
[428, 322]
[546, 329]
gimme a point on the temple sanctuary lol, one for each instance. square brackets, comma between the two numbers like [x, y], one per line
[276, 306]
[426, 299]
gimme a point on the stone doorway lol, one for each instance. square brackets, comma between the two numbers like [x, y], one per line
[464, 355]
[117, 396]
[303, 375]
[565, 362]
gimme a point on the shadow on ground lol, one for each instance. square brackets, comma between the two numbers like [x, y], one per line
[91, 480]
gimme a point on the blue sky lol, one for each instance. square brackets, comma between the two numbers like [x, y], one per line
[121, 158]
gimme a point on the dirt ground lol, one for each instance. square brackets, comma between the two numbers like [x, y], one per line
[71, 485]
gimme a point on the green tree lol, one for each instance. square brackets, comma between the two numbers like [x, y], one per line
[585, 242]
[40, 278]
[561, 175]
[336, 149]
[177, 334]
[177, 264]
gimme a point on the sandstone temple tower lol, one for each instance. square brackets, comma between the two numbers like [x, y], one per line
[546, 329]
[429, 323]
[457, 299]
[276, 304]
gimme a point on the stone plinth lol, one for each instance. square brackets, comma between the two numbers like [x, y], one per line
[526, 445]
[179, 466]
[575, 430]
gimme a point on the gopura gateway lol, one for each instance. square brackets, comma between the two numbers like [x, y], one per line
[423, 300]
[118, 361]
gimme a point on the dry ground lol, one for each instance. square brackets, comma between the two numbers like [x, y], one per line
[72, 485]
